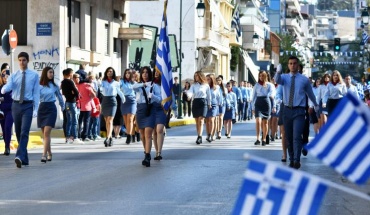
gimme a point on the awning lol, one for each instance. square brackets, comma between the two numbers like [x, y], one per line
[250, 64]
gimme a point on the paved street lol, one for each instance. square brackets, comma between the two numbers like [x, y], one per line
[191, 179]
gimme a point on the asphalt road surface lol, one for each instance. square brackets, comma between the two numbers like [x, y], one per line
[191, 179]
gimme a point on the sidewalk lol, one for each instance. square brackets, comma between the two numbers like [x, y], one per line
[36, 141]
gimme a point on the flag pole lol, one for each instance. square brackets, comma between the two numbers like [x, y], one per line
[324, 181]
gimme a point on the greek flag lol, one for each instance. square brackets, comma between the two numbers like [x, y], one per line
[271, 189]
[163, 63]
[344, 142]
[365, 37]
[235, 23]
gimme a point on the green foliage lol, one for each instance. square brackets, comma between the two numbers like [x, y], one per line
[235, 53]
[286, 45]
[335, 4]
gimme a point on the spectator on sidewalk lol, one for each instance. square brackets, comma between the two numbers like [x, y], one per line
[47, 113]
[81, 72]
[176, 92]
[86, 105]
[71, 94]
[6, 107]
[26, 97]
[186, 101]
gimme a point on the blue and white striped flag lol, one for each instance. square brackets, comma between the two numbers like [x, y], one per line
[269, 188]
[365, 37]
[235, 23]
[344, 141]
[163, 63]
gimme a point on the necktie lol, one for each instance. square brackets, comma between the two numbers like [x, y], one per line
[291, 93]
[23, 87]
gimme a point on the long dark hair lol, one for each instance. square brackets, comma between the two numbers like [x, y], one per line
[223, 89]
[150, 73]
[106, 71]
[124, 75]
[44, 80]
[185, 85]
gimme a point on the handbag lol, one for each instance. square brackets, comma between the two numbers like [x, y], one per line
[147, 101]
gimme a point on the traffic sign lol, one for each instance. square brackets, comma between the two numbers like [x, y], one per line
[13, 39]
[5, 42]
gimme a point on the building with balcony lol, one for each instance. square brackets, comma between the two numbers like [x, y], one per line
[67, 33]
[205, 40]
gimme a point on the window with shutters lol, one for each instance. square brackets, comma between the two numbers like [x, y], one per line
[106, 39]
[11, 14]
[74, 21]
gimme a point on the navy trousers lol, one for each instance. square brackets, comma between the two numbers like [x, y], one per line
[294, 120]
[22, 115]
[6, 127]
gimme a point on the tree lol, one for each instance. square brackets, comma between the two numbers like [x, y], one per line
[286, 46]
[235, 52]
[335, 4]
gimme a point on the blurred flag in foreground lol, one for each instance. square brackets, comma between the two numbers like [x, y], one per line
[272, 189]
[163, 63]
[344, 142]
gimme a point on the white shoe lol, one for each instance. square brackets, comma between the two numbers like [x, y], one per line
[98, 137]
[78, 141]
[86, 139]
[69, 141]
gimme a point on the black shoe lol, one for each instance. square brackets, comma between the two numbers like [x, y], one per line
[257, 142]
[158, 157]
[7, 152]
[304, 152]
[267, 139]
[199, 140]
[128, 139]
[106, 142]
[263, 143]
[137, 137]
[18, 162]
[110, 143]
[291, 164]
[297, 165]
[209, 138]
[146, 161]
[133, 137]
[272, 139]
[283, 159]
[43, 159]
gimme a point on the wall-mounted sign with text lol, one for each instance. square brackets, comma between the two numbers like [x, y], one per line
[44, 29]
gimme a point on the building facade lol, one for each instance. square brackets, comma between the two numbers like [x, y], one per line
[66, 33]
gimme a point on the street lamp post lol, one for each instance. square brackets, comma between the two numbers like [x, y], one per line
[200, 11]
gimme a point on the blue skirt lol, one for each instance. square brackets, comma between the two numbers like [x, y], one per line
[109, 106]
[262, 107]
[46, 114]
[160, 116]
[144, 121]
[212, 112]
[199, 108]
[229, 114]
[222, 109]
[129, 107]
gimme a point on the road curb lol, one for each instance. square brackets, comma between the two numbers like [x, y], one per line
[35, 139]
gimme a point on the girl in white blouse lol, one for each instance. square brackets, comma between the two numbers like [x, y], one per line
[200, 91]
[336, 90]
